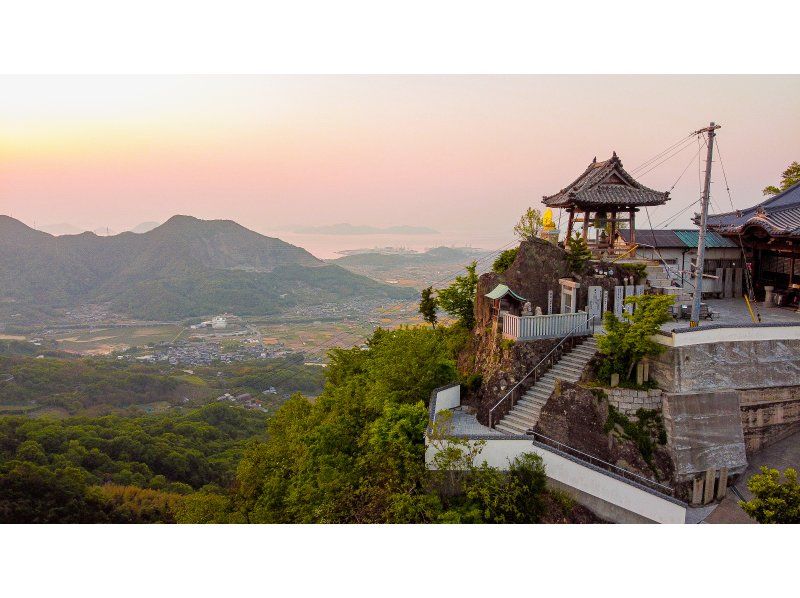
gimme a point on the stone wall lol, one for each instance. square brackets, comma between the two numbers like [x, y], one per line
[629, 401]
[769, 415]
[728, 365]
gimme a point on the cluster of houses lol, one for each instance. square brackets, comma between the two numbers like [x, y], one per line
[217, 323]
[246, 400]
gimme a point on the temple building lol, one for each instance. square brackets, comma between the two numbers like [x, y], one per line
[769, 232]
[604, 197]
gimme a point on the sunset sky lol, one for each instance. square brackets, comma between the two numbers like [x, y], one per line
[464, 155]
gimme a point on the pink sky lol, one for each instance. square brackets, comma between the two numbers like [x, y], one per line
[464, 155]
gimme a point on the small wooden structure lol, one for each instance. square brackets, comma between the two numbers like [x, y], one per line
[604, 196]
[505, 300]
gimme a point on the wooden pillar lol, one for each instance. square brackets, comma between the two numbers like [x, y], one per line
[613, 228]
[632, 225]
[571, 213]
[586, 223]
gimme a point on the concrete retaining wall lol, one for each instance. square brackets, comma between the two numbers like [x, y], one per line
[769, 415]
[704, 431]
[608, 496]
[743, 364]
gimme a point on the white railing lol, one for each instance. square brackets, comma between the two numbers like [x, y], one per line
[552, 326]
[568, 339]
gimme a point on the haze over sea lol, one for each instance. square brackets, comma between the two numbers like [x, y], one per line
[329, 246]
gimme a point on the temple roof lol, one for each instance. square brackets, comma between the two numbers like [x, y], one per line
[779, 216]
[501, 291]
[680, 238]
[604, 185]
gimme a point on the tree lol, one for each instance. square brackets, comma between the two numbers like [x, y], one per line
[459, 298]
[428, 305]
[578, 254]
[504, 260]
[510, 497]
[529, 225]
[357, 453]
[628, 340]
[774, 501]
[790, 176]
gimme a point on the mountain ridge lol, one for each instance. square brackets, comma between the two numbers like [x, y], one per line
[185, 267]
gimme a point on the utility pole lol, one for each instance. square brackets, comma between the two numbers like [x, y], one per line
[701, 241]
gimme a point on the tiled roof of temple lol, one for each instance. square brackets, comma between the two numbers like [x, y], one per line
[606, 184]
[778, 216]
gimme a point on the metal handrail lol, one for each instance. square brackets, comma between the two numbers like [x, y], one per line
[621, 471]
[569, 335]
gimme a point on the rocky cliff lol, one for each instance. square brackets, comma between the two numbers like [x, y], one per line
[499, 363]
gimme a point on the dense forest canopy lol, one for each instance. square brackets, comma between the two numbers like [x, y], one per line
[354, 454]
[76, 469]
[98, 385]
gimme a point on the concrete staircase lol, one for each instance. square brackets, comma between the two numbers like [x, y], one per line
[525, 414]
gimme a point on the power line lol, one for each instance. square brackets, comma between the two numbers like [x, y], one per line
[664, 160]
[748, 275]
[658, 155]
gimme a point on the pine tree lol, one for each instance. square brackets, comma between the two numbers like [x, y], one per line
[578, 254]
[428, 305]
[790, 176]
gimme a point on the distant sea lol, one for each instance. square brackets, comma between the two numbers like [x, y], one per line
[327, 246]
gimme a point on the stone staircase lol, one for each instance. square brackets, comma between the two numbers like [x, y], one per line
[657, 278]
[525, 414]
[656, 275]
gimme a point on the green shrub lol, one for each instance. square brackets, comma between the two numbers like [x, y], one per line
[578, 254]
[774, 501]
[649, 424]
[473, 382]
[504, 260]
[628, 340]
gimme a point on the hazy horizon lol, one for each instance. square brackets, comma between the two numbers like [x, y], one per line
[464, 155]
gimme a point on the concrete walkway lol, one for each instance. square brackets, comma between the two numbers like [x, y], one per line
[734, 311]
[782, 454]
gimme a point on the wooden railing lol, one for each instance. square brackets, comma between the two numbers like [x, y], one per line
[552, 326]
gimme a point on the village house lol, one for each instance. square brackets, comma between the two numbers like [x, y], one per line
[675, 250]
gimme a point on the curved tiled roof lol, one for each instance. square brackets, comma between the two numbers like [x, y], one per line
[501, 291]
[605, 184]
[778, 216]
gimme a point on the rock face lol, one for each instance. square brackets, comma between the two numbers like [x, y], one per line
[535, 271]
[577, 418]
[501, 364]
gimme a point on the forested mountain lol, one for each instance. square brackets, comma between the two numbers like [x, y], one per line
[185, 267]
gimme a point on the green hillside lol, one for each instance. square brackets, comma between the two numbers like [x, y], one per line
[185, 267]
